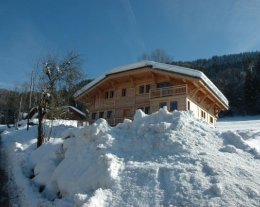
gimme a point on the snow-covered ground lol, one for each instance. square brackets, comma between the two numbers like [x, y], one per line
[164, 159]
[2, 127]
[248, 127]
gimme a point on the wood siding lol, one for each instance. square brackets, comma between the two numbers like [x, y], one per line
[120, 95]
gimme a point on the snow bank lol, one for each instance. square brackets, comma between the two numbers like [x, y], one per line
[247, 127]
[164, 159]
[3, 127]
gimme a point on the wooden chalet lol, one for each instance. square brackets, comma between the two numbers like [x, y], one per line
[72, 113]
[65, 112]
[149, 85]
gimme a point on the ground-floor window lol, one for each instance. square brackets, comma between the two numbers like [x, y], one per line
[203, 114]
[188, 105]
[109, 114]
[211, 119]
[162, 104]
[173, 105]
[101, 114]
[93, 115]
[147, 110]
[142, 108]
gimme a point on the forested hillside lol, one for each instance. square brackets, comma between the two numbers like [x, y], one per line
[237, 76]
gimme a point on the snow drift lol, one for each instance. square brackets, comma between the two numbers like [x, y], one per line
[164, 159]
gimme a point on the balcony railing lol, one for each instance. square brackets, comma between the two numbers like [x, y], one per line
[168, 91]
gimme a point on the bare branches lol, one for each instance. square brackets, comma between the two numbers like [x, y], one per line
[57, 82]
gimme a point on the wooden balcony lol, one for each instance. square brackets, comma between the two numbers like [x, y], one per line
[168, 91]
[105, 103]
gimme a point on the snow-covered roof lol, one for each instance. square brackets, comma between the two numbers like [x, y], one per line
[159, 66]
[75, 109]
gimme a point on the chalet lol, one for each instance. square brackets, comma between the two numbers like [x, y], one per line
[65, 113]
[72, 113]
[149, 85]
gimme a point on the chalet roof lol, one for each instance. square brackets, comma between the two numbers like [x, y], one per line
[75, 109]
[158, 66]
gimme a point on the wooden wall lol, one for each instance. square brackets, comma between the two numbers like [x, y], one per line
[99, 99]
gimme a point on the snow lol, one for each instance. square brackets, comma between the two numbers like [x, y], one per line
[246, 127]
[75, 109]
[2, 127]
[162, 159]
[159, 66]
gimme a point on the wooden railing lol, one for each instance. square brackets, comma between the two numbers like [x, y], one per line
[168, 91]
[105, 103]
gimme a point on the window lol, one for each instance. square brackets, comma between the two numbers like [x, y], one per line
[161, 105]
[141, 89]
[109, 114]
[144, 89]
[93, 115]
[163, 84]
[211, 120]
[147, 88]
[101, 114]
[123, 92]
[106, 95]
[111, 94]
[203, 114]
[188, 105]
[147, 110]
[142, 108]
[174, 106]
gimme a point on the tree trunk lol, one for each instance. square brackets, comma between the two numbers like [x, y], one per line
[40, 138]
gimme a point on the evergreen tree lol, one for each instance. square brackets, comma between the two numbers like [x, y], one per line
[250, 92]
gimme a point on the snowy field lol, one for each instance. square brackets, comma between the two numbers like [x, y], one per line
[164, 159]
[2, 127]
[248, 127]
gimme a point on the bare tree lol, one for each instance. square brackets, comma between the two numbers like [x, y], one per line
[157, 55]
[56, 83]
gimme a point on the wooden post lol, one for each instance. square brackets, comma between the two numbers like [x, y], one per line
[20, 106]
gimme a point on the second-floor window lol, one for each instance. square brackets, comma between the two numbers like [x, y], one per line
[144, 89]
[109, 94]
[147, 88]
[163, 84]
[123, 92]
[141, 89]
[106, 94]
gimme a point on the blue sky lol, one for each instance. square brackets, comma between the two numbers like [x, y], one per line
[111, 33]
